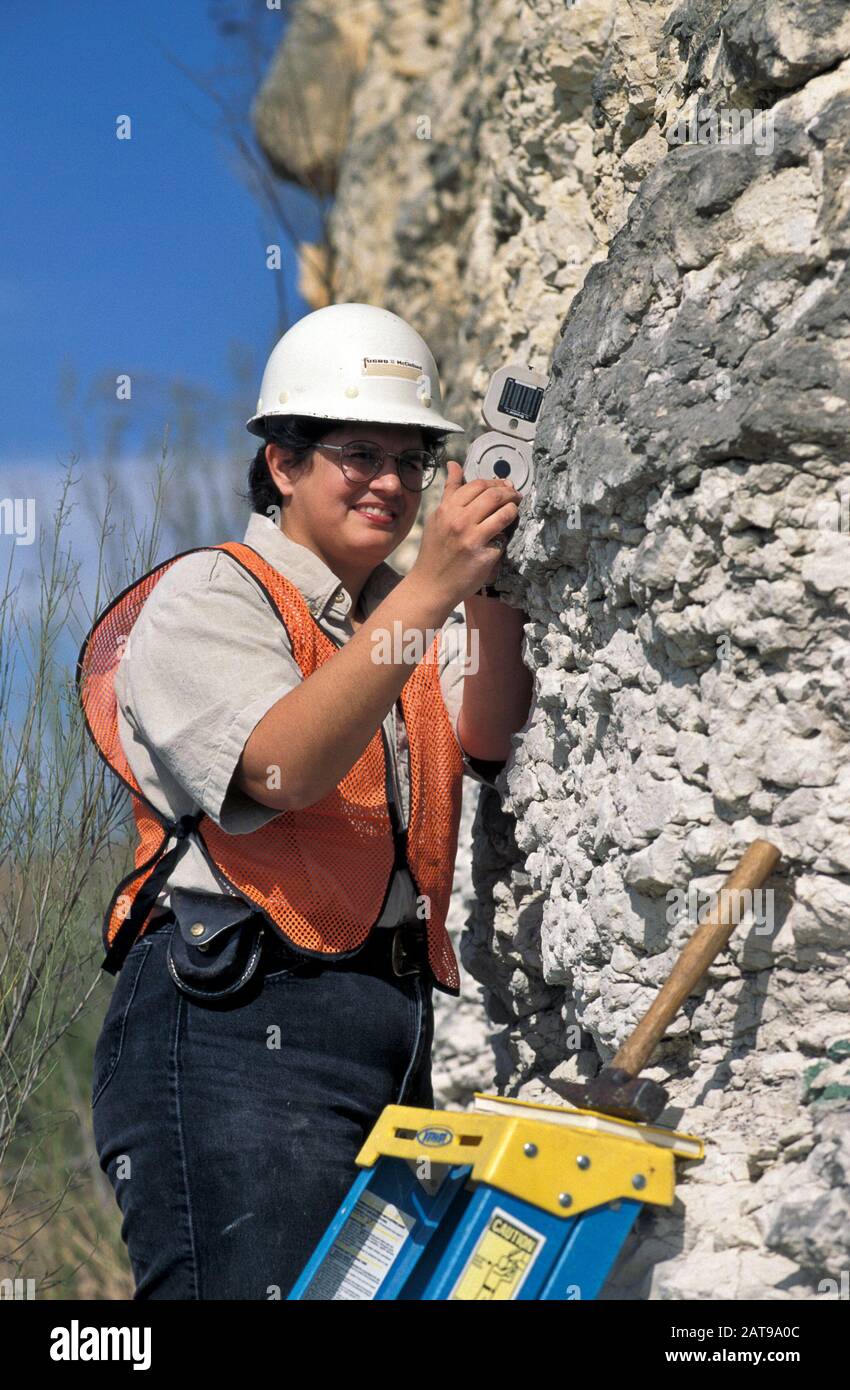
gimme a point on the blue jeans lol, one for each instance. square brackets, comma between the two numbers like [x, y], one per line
[229, 1129]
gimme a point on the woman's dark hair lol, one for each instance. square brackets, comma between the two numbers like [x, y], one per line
[300, 433]
[296, 432]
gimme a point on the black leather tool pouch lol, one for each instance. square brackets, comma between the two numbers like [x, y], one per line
[215, 945]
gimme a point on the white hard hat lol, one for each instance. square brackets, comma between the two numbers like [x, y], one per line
[352, 362]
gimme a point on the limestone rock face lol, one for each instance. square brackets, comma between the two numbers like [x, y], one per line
[649, 201]
[302, 111]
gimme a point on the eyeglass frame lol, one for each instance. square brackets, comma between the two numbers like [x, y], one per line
[436, 454]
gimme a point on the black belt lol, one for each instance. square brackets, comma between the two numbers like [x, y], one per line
[402, 950]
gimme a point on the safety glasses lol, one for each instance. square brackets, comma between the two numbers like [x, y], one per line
[361, 460]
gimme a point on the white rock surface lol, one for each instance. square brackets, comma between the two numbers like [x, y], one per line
[516, 190]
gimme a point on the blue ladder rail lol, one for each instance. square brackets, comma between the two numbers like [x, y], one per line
[533, 1203]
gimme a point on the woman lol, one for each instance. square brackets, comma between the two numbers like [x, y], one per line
[277, 964]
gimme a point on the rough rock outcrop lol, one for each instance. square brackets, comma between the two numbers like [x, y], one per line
[650, 201]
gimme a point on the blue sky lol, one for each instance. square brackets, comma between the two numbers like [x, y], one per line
[144, 256]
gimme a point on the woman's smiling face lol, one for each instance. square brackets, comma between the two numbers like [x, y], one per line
[330, 514]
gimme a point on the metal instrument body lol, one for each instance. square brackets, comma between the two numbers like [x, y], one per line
[511, 408]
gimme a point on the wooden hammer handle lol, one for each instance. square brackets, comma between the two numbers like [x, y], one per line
[756, 865]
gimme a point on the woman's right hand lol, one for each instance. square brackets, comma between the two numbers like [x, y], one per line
[454, 558]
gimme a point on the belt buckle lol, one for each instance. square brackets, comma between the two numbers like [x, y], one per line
[399, 954]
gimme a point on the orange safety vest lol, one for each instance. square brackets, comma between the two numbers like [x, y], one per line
[321, 876]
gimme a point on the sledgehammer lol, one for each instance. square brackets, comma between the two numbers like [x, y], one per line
[618, 1089]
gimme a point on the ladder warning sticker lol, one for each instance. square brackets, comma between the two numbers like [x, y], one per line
[363, 1252]
[501, 1260]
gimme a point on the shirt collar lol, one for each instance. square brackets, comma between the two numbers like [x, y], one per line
[320, 587]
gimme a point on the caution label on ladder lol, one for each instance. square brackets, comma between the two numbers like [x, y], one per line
[363, 1251]
[501, 1259]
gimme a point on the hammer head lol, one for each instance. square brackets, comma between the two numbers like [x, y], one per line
[616, 1092]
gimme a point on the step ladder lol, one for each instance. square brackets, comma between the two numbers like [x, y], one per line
[511, 1200]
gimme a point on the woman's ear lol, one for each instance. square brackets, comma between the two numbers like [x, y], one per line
[280, 460]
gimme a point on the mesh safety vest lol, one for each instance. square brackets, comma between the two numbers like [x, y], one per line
[321, 876]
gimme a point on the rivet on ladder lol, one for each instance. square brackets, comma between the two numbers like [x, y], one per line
[565, 1199]
[638, 1180]
[583, 1161]
[530, 1150]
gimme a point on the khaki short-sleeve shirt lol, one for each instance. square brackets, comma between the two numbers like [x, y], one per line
[207, 659]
